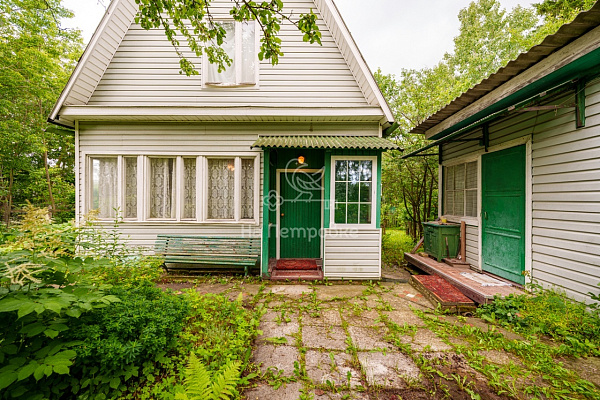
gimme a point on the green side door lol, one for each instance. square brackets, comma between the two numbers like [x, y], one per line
[300, 215]
[503, 213]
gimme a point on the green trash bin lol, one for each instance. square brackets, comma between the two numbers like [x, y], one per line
[435, 239]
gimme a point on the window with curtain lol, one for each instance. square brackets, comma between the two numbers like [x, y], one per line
[189, 188]
[353, 191]
[221, 188]
[240, 45]
[247, 195]
[104, 186]
[130, 209]
[162, 188]
[460, 189]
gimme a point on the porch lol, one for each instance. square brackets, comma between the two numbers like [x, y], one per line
[479, 287]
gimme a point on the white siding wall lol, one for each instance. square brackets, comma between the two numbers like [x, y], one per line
[352, 255]
[145, 71]
[566, 191]
[189, 138]
[473, 245]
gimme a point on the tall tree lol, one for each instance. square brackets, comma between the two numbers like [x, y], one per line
[36, 57]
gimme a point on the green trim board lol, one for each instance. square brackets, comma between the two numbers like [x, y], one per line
[378, 193]
[264, 265]
[327, 188]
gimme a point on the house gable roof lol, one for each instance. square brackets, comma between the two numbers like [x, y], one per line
[541, 62]
[117, 21]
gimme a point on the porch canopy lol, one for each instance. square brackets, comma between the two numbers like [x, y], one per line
[325, 142]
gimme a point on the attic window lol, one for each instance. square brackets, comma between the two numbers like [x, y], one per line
[240, 46]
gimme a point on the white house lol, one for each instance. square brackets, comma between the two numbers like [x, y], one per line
[519, 162]
[198, 155]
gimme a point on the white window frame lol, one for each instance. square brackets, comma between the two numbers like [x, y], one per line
[143, 187]
[374, 186]
[469, 219]
[237, 56]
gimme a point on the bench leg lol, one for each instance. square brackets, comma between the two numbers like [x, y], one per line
[245, 271]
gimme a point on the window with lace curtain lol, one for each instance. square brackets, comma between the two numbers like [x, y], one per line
[171, 187]
[460, 190]
[104, 185]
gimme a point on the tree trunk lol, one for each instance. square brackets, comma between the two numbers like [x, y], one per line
[52, 205]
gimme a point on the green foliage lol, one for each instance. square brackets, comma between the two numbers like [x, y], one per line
[194, 21]
[550, 313]
[201, 384]
[117, 342]
[36, 57]
[393, 246]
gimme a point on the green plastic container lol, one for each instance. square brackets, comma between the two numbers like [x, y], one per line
[435, 239]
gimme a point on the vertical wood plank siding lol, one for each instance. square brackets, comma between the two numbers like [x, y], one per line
[145, 71]
[352, 254]
[196, 138]
[566, 191]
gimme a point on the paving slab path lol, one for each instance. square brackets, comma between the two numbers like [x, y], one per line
[384, 341]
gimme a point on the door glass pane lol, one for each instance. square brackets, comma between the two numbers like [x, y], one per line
[104, 186]
[189, 188]
[247, 189]
[162, 188]
[130, 210]
[221, 174]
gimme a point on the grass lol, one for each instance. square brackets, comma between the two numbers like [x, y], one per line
[395, 243]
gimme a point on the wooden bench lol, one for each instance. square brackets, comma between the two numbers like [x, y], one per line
[216, 253]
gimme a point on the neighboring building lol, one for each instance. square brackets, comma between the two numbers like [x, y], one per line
[520, 163]
[195, 155]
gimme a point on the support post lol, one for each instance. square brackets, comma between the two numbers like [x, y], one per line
[264, 262]
[486, 137]
[580, 104]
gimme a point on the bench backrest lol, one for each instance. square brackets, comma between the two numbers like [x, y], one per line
[204, 245]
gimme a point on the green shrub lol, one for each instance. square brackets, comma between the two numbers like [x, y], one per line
[201, 384]
[393, 246]
[117, 342]
[551, 313]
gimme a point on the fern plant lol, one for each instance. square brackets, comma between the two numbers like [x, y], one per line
[201, 384]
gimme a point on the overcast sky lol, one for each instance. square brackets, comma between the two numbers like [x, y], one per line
[391, 34]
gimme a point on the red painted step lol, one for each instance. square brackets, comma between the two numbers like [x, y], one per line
[297, 264]
[305, 275]
[440, 291]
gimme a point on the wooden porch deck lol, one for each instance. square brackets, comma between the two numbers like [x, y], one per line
[476, 286]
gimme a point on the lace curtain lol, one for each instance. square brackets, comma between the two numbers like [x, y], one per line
[130, 210]
[189, 188]
[162, 188]
[221, 188]
[104, 191]
[247, 189]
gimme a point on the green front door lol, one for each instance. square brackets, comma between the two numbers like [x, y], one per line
[503, 213]
[300, 215]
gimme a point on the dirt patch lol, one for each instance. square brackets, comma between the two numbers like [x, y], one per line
[587, 368]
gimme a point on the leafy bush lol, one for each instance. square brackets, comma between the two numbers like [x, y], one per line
[117, 342]
[550, 313]
[393, 245]
[201, 384]
[40, 298]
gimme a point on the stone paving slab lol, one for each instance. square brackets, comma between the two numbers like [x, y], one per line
[331, 338]
[321, 395]
[276, 357]
[368, 338]
[425, 340]
[289, 391]
[366, 318]
[327, 317]
[402, 318]
[275, 330]
[321, 368]
[293, 291]
[390, 370]
[326, 293]
[276, 316]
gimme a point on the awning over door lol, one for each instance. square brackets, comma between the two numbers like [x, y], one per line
[325, 142]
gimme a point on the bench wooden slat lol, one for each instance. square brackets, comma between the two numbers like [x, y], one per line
[225, 252]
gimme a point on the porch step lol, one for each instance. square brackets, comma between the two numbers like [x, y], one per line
[480, 288]
[296, 275]
[442, 293]
[305, 264]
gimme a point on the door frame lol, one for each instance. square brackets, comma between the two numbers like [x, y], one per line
[279, 171]
[528, 200]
